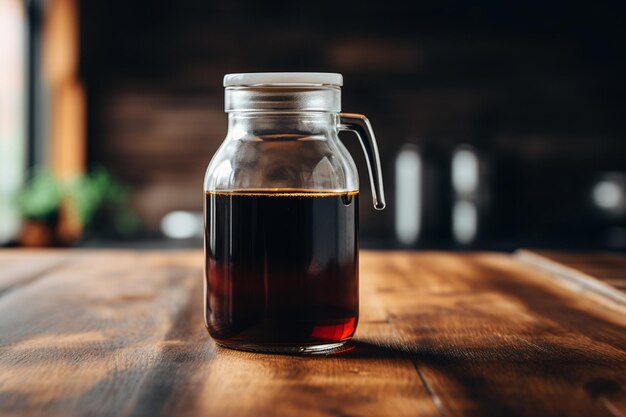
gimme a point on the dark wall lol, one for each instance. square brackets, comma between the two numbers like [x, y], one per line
[538, 89]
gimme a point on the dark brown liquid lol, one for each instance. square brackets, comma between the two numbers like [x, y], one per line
[281, 267]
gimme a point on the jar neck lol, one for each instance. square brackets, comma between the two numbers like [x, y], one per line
[282, 125]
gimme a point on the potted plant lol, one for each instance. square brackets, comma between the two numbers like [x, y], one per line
[40, 206]
[101, 204]
[58, 213]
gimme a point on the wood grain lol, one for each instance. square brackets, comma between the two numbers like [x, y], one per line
[83, 338]
[493, 337]
[22, 267]
[120, 333]
[609, 268]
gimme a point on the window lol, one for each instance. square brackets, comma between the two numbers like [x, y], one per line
[12, 113]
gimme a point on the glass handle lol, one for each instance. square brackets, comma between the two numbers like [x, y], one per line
[359, 124]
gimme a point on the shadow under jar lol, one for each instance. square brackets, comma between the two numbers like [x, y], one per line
[281, 216]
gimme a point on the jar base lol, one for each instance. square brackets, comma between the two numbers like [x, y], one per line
[321, 349]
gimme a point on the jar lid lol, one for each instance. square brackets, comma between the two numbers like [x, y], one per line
[282, 78]
[283, 92]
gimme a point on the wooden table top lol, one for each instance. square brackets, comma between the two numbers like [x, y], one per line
[121, 333]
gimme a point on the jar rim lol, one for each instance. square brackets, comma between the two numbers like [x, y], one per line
[280, 79]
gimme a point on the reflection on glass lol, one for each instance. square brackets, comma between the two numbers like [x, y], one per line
[465, 170]
[464, 221]
[408, 193]
[182, 225]
[608, 194]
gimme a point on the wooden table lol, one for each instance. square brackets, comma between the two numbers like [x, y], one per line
[120, 333]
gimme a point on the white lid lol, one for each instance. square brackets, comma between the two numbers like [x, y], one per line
[267, 78]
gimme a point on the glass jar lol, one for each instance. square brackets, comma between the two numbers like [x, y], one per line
[281, 216]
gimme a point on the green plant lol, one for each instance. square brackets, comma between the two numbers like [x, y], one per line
[41, 198]
[97, 200]
[100, 202]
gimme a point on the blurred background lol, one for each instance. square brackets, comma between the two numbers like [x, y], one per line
[500, 124]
